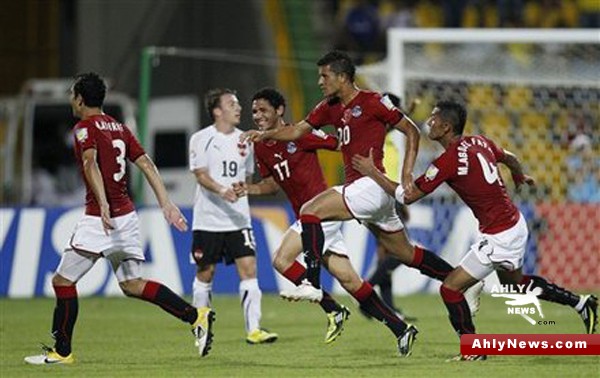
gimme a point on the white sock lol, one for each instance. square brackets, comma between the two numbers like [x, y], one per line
[202, 292]
[250, 296]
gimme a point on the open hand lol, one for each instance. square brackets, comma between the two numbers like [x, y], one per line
[364, 165]
[173, 216]
[251, 136]
[240, 188]
[105, 217]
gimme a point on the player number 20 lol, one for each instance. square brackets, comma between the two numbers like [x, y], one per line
[344, 135]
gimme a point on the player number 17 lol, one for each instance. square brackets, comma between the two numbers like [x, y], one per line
[283, 170]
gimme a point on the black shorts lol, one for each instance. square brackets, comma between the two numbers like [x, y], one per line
[214, 247]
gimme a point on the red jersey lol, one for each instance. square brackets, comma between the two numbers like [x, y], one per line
[360, 125]
[113, 142]
[295, 166]
[470, 167]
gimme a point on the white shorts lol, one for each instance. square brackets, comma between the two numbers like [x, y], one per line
[89, 236]
[334, 240]
[121, 247]
[501, 251]
[369, 203]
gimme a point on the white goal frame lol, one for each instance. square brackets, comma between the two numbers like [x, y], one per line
[398, 37]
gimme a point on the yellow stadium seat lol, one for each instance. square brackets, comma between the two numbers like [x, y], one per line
[482, 96]
[518, 98]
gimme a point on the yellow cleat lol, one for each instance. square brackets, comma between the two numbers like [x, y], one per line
[261, 336]
[49, 357]
[202, 330]
[335, 324]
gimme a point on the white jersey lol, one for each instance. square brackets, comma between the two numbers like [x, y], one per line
[228, 161]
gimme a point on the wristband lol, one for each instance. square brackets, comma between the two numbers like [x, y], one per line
[222, 191]
[399, 194]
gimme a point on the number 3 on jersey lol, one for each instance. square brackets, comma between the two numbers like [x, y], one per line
[120, 145]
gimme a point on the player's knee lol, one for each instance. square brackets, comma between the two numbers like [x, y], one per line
[132, 288]
[309, 208]
[58, 280]
[282, 260]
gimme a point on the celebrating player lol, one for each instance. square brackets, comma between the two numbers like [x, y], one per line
[221, 224]
[469, 165]
[360, 118]
[295, 168]
[110, 226]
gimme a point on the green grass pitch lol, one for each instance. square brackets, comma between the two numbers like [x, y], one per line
[120, 337]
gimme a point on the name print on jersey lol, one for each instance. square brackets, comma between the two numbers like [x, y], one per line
[463, 159]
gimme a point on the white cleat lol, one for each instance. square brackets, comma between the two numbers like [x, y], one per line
[303, 292]
[473, 297]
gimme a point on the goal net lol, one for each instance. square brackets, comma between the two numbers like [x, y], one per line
[535, 93]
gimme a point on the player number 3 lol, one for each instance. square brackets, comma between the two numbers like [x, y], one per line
[120, 145]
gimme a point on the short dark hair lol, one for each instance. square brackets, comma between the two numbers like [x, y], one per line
[453, 112]
[393, 98]
[339, 62]
[272, 96]
[212, 99]
[91, 88]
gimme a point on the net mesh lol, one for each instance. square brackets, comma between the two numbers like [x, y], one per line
[540, 101]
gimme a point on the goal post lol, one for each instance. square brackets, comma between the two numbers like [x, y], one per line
[536, 93]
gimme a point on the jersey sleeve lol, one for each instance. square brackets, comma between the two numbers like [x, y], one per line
[319, 116]
[385, 111]
[134, 148]
[318, 140]
[197, 154]
[85, 136]
[439, 171]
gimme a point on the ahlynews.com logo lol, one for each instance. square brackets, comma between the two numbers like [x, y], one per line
[523, 301]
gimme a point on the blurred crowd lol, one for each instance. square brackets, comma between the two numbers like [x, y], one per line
[361, 24]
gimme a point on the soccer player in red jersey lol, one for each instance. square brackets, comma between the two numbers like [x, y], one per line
[360, 118]
[469, 165]
[294, 167]
[110, 226]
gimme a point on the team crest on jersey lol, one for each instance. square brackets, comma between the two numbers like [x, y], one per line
[291, 147]
[356, 111]
[431, 172]
[242, 149]
[81, 135]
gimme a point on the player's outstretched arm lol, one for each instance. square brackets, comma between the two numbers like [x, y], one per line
[410, 129]
[285, 134]
[263, 187]
[171, 212]
[516, 169]
[366, 166]
[94, 178]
